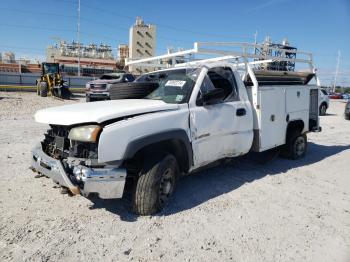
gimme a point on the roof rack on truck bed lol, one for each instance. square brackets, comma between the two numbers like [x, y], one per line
[272, 64]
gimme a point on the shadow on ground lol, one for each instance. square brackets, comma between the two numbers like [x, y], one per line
[198, 188]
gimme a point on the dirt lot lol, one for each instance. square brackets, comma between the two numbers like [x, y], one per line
[282, 211]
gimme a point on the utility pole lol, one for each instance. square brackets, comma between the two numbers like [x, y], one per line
[255, 40]
[78, 37]
[255, 36]
[336, 71]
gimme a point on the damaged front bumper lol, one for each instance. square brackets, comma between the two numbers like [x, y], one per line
[106, 182]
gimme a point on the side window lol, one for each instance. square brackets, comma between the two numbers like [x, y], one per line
[223, 77]
[128, 78]
[206, 86]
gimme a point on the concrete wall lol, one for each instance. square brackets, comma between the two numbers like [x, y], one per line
[28, 79]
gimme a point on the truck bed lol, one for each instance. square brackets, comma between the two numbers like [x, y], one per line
[278, 105]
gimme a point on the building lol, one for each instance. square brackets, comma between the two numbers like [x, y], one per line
[94, 59]
[8, 57]
[123, 52]
[142, 44]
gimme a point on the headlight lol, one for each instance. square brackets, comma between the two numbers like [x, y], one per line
[84, 133]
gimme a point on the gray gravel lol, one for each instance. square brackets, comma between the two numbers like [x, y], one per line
[282, 211]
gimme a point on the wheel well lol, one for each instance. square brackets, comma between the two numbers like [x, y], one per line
[295, 125]
[176, 147]
[324, 103]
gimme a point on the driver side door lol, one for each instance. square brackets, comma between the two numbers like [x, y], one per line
[215, 127]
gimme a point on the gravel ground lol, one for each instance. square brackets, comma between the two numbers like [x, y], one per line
[282, 211]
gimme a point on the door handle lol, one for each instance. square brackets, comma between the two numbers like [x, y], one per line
[241, 112]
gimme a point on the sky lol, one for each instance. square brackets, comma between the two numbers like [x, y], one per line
[27, 27]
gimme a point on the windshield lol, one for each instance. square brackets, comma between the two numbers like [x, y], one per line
[174, 86]
[51, 68]
[110, 77]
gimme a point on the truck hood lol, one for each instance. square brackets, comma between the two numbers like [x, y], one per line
[105, 81]
[98, 112]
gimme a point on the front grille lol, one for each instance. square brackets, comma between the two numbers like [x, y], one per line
[56, 142]
[57, 145]
[98, 86]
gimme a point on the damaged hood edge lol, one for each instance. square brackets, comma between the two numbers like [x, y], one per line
[98, 112]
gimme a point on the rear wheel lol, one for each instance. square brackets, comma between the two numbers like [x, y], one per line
[43, 89]
[155, 184]
[296, 146]
[323, 110]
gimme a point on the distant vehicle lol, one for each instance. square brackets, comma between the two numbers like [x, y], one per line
[51, 82]
[347, 110]
[99, 89]
[345, 96]
[323, 102]
[335, 96]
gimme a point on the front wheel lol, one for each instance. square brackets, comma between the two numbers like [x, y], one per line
[43, 89]
[155, 184]
[296, 146]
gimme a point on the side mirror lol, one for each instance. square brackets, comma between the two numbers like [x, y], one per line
[214, 96]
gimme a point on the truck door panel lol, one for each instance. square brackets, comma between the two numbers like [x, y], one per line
[217, 129]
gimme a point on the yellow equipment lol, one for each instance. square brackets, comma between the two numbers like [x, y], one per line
[51, 83]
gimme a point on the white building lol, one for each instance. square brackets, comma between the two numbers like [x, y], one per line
[8, 57]
[142, 44]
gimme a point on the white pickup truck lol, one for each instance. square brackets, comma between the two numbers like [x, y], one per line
[199, 114]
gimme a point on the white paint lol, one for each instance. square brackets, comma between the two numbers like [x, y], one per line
[115, 138]
[98, 112]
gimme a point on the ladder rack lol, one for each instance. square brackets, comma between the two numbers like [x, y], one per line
[241, 53]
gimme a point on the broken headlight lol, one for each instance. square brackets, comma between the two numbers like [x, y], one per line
[85, 133]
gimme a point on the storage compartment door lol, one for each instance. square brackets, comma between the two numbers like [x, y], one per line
[297, 99]
[272, 118]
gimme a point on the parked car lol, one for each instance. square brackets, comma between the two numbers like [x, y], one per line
[347, 110]
[345, 96]
[138, 148]
[335, 96]
[323, 102]
[99, 89]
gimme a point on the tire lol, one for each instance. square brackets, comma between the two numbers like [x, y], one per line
[88, 99]
[155, 184]
[323, 110]
[133, 90]
[43, 89]
[296, 146]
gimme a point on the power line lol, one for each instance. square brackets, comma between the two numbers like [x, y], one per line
[105, 11]
[124, 29]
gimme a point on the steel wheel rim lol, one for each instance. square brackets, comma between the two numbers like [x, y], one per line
[166, 186]
[299, 146]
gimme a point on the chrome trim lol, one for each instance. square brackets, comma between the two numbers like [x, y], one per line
[51, 168]
[107, 182]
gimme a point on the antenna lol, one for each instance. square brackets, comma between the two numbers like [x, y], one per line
[336, 71]
[78, 37]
